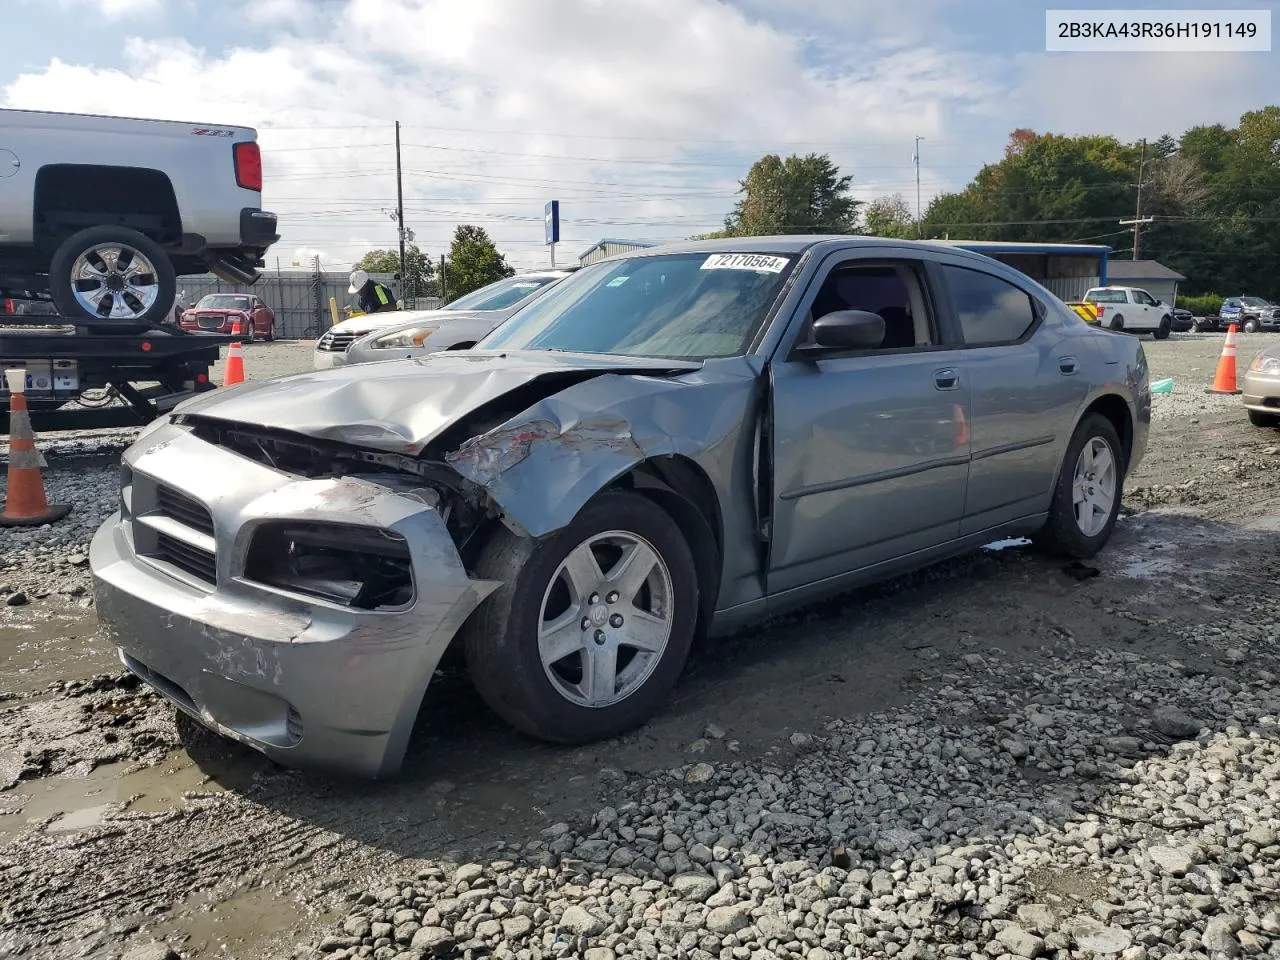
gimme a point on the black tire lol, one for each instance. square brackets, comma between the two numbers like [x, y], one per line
[271, 333]
[501, 637]
[64, 258]
[1199, 325]
[1162, 331]
[1250, 325]
[1260, 419]
[1061, 535]
[1116, 323]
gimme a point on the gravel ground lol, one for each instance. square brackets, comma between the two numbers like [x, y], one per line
[990, 758]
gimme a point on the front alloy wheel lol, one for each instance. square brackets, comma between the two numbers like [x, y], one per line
[591, 626]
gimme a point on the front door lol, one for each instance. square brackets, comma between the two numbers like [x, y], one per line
[870, 448]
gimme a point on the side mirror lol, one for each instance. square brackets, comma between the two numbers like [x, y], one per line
[848, 330]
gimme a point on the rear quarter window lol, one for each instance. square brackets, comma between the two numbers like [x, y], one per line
[989, 310]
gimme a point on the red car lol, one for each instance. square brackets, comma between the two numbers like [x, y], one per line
[216, 312]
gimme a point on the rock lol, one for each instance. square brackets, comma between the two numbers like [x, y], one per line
[799, 739]
[1220, 936]
[513, 928]
[1015, 748]
[334, 944]
[694, 886]
[1171, 860]
[580, 921]
[700, 773]
[435, 940]
[1018, 942]
[151, 951]
[1261, 836]
[1174, 723]
[17, 600]
[1039, 918]
[1090, 934]
[1124, 746]
[357, 927]
[731, 919]
[600, 953]
[714, 732]
[468, 873]
[773, 927]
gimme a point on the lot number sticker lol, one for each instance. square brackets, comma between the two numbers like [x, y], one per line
[745, 261]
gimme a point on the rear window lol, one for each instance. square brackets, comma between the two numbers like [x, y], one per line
[1105, 296]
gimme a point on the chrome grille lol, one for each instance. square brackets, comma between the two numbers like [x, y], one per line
[209, 323]
[337, 342]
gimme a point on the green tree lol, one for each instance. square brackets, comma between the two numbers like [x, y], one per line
[796, 195]
[889, 217]
[473, 262]
[420, 272]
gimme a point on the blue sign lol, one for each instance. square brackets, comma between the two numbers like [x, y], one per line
[552, 219]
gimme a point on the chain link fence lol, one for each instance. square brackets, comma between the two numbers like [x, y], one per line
[300, 300]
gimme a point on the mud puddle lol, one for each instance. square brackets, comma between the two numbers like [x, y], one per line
[64, 804]
[39, 649]
[240, 925]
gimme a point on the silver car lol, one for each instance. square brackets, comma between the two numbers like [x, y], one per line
[465, 320]
[1261, 388]
[667, 444]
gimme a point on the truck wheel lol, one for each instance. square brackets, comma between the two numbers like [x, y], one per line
[1117, 322]
[1086, 500]
[1162, 331]
[592, 626]
[112, 273]
[1250, 325]
[1260, 419]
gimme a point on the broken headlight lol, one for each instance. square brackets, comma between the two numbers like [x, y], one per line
[1268, 366]
[363, 567]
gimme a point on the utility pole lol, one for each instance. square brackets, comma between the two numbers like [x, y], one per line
[404, 276]
[444, 290]
[1137, 213]
[916, 160]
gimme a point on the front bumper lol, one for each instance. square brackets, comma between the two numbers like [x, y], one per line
[308, 682]
[328, 359]
[1261, 393]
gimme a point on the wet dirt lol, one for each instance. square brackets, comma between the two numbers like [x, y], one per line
[116, 831]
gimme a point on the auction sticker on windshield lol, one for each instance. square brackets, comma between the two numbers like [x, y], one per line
[745, 261]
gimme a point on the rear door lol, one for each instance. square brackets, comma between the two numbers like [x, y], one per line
[1024, 364]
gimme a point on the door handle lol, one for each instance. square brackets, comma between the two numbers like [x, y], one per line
[1067, 365]
[946, 379]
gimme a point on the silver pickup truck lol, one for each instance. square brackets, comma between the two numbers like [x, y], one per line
[101, 214]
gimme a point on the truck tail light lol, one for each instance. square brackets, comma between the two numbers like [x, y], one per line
[1101, 310]
[248, 159]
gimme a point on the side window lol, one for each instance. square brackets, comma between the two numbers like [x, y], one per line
[892, 290]
[989, 310]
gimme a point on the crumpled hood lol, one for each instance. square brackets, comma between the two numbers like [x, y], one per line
[434, 318]
[402, 405]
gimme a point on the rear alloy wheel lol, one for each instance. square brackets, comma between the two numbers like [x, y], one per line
[1260, 419]
[1250, 326]
[1117, 322]
[1162, 331]
[591, 628]
[1086, 500]
[112, 273]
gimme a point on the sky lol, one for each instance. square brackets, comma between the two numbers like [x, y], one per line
[639, 116]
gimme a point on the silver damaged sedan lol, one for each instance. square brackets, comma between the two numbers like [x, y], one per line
[666, 445]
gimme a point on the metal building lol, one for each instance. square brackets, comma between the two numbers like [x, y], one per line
[608, 247]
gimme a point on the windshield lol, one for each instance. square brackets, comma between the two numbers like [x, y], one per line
[1254, 302]
[690, 306]
[504, 293]
[223, 301]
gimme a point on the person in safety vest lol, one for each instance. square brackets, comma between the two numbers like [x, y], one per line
[374, 297]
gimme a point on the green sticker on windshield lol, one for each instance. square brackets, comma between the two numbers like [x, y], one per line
[617, 281]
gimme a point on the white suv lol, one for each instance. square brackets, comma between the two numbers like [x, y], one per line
[1131, 309]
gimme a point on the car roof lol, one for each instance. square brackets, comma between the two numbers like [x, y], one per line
[797, 243]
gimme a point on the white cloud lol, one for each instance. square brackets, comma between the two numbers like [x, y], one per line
[668, 102]
[113, 9]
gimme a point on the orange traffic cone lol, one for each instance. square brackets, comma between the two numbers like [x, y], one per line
[962, 424]
[1225, 379]
[25, 502]
[233, 373]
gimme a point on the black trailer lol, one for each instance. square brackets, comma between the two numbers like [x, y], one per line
[81, 375]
